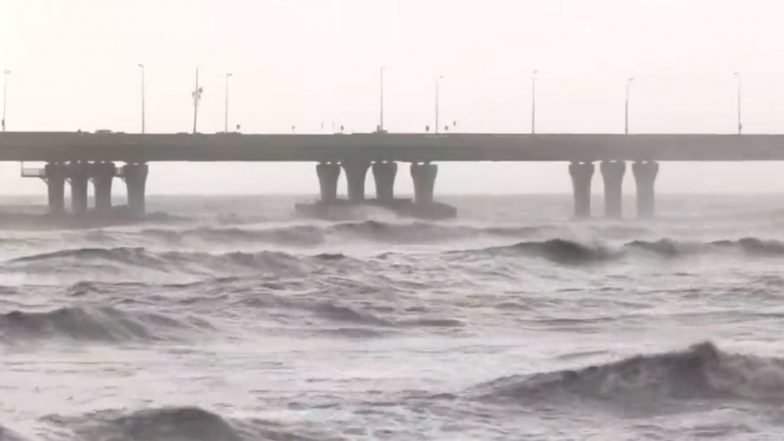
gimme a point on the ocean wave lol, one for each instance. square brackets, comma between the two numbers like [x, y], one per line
[338, 313]
[345, 314]
[350, 318]
[310, 235]
[102, 324]
[124, 254]
[424, 232]
[428, 232]
[160, 424]
[748, 245]
[558, 250]
[296, 235]
[307, 235]
[188, 423]
[701, 372]
[575, 252]
[9, 435]
[755, 245]
[561, 251]
[199, 262]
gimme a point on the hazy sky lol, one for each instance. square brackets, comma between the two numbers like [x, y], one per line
[308, 63]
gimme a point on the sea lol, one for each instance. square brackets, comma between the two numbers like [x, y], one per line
[228, 318]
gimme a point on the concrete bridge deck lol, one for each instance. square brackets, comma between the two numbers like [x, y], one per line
[78, 158]
[403, 147]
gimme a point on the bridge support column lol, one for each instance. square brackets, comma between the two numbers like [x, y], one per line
[103, 175]
[645, 173]
[424, 176]
[328, 175]
[581, 173]
[136, 180]
[612, 174]
[78, 175]
[384, 174]
[356, 173]
[54, 175]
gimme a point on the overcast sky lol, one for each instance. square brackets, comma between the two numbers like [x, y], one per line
[316, 63]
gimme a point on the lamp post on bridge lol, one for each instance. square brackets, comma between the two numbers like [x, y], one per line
[738, 87]
[533, 101]
[5, 94]
[196, 94]
[226, 104]
[438, 86]
[141, 69]
[381, 100]
[626, 112]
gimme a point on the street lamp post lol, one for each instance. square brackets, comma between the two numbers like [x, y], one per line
[626, 112]
[438, 86]
[533, 101]
[141, 69]
[226, 105]
[5, 94]
[381, 102]
[196, 94]
[738, 85]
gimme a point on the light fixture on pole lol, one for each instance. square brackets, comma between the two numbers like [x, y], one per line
[196, 95]
[438, 86]
[381, 102]
[5, 94]
[141, 68]
[533, 101]
[738, 86]
[226, 104]
[626, 112]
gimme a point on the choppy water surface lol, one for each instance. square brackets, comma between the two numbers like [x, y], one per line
[231, 319]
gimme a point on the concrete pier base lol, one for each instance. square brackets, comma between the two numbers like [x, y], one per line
[356, 173]
[384, 175]
[424, 176]
[78, 176]
[612, 175]
[328, 175]
[102, 176]
[136, 181]
[54, 176]
[581, 173]
[645, 173]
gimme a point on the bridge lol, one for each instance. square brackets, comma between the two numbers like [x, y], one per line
[81, 157]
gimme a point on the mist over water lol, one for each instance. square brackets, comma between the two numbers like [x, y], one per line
[228, 318]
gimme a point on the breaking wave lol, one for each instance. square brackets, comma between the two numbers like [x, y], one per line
[198, 262]
[302, 235]
[136, 255]
[754, 245]
[574, 252]
[187, 423]
[309, 235]
[558, 250]
[701, 372]
[91, 324]
[563, 251]
[9, 435]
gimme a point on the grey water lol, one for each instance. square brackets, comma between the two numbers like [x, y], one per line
[229, 318]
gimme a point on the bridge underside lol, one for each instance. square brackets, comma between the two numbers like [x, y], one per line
[78, 174]
[424, 176]
[78, 158]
